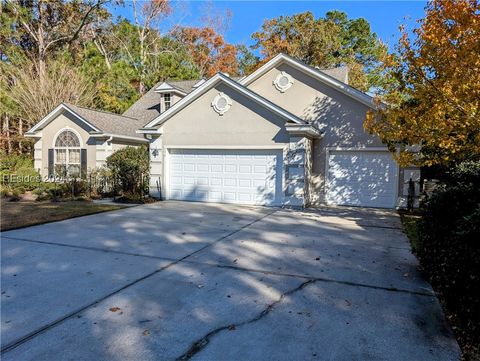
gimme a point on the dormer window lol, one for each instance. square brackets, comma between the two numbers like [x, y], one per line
[167, 101]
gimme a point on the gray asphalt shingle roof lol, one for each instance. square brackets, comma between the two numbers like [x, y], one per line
[340, 73]
[148, 106]
[109, 122]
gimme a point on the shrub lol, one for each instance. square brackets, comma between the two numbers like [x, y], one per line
[17, 172]
[70, 189]
[130, 170]
[449, 248]
[100, 181]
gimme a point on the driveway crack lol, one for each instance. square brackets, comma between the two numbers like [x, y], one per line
[201, 343]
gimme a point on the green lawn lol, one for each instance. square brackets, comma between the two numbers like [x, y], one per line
[24, 214]
[410, 226]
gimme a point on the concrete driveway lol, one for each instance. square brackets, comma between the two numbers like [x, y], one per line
[177, 280]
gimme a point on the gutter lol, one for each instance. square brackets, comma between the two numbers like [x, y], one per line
[117, 136]
[32, 135]
[305, 130]
[148, 131]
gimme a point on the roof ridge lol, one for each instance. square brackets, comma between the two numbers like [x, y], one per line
[176, 81]
[101, 111]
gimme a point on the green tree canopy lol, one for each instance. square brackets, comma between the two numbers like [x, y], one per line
[325, 42]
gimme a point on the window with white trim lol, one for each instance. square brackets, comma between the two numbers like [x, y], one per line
[167, 101]
[67, 154]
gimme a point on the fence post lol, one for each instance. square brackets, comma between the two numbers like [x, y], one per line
[114, 188]
[90, 186]
[72, 183]
[54, 188]
[159, 189]
[411, 195]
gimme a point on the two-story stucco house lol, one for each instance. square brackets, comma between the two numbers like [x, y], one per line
[287, 134]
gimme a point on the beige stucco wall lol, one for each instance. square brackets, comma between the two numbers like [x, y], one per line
[104, 149]
[98, 149]
[66, 121]
[245, 124]
[339, 116]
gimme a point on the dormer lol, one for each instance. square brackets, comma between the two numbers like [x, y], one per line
[169, 95]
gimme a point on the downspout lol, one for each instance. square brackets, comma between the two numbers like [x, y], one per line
[109, 141]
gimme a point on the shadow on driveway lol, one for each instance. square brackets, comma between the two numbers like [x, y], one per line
[178, 280]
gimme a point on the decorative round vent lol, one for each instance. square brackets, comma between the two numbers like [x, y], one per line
[283, 81]
[221, 103]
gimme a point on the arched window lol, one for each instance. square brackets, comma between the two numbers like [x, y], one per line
[67, 154]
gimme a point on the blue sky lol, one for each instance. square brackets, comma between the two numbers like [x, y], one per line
[247, 16]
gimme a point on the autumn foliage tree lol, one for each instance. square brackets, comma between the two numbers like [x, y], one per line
[208, 49]
[432, 116]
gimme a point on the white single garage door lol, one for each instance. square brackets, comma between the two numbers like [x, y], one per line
[362, 178]
[227, 176]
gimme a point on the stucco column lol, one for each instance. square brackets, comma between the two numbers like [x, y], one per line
[157, 186]
[37, 158]
[296, 164]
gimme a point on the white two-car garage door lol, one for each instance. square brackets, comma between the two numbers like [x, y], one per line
[362, 178]
[229, 176]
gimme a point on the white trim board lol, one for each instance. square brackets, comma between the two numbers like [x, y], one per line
[119, 136]
[360, 149]
[314, 73]
[57, 111]
[227, 147]
[167, 88]
[71, 130]
[203, 88]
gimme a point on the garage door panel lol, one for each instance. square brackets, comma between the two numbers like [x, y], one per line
[233, 176]
[203, 167]
[361, 179]
[216, 168]
[215, 181]
[243, 168]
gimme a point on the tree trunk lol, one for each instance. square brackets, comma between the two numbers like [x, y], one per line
[41, 45]
[98, 43]
[20, 135]
[6, 133]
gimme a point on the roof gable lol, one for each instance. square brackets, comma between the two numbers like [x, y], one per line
[99, 122]
[313, 73]
[167, 88]
[204, 87]
[56, 112]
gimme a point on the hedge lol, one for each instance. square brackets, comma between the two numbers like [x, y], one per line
[449, 249]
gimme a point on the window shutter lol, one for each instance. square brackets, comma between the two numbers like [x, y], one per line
[51, 170]
[83, 163]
